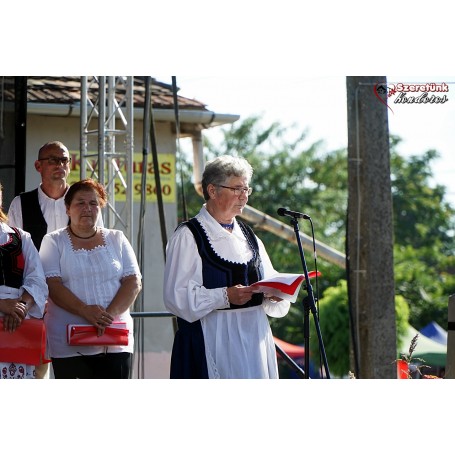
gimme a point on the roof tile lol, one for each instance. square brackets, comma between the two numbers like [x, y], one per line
[67, 90]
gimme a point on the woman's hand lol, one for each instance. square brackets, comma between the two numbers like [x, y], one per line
[273, 298]
[98, 316]
[15, 313]
[239, 295]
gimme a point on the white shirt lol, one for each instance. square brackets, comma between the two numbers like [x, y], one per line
[54, 211]
[93, 276]
[238, 342]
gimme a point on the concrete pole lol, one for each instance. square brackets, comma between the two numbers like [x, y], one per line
[450, 363]
[370, 231]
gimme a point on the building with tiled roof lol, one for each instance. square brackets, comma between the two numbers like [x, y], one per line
[38, 109]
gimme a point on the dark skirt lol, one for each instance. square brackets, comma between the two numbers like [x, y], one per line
[188, 360]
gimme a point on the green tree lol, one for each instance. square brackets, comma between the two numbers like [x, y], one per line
[424, 244]
[335, 329]
[287, 168]
[422, 218]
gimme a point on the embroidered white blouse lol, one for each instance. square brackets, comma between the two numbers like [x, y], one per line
[94, 277]
[238, 342]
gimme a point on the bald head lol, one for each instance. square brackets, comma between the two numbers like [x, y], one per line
[51, 146]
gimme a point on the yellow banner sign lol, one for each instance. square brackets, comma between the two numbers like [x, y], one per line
[166, 166]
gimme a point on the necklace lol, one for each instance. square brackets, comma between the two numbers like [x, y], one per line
[84, 238]
[227, 226]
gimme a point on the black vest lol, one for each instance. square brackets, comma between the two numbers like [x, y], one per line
[218, 272]
[32, 217]
[12, 261]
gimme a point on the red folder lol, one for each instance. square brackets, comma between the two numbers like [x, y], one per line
[27, 344]
[115, 334]
[287, 288]
[283, 285]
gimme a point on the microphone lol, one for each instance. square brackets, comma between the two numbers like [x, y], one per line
[285, 212]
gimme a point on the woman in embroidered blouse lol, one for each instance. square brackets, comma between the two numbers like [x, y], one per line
[93, 278]
[23, 290]
[223, 330]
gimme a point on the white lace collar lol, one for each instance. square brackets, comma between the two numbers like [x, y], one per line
[213, 229]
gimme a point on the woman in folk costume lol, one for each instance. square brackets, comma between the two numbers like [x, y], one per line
[23, 291]
[211, 261]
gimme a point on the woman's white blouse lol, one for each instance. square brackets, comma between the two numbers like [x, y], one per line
[93, 276]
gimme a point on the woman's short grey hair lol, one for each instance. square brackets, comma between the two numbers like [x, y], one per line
[218, 170]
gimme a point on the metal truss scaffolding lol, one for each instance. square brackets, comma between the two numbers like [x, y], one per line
[107, 144]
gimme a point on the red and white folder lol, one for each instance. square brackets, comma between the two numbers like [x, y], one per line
[115, 334]
[283, 285]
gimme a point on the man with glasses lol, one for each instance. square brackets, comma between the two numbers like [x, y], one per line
[43, 210]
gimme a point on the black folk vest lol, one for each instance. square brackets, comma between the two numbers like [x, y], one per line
[32, 217]
[12, 261]
[218, 272]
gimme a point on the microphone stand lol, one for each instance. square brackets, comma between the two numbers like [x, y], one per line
[309, 305]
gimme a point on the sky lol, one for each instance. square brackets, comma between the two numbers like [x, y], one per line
[318, 104]
[287, 61]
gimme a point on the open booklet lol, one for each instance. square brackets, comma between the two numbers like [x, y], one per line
[283, 285]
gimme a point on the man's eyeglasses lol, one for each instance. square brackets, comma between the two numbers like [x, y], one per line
[238, 191]
[56, 160]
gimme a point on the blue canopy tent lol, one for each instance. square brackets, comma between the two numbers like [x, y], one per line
[434, 331]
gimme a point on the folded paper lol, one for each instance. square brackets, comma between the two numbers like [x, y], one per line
[283, 285]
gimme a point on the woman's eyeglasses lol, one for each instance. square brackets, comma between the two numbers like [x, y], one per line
[56, 160]
[238, 191]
